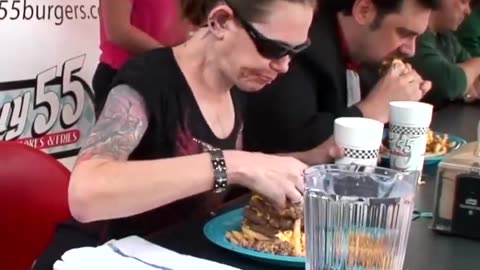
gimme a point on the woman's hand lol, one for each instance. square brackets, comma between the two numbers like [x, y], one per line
[277, 178]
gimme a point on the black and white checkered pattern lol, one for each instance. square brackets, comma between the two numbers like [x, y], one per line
[361, 154]
[409, 130]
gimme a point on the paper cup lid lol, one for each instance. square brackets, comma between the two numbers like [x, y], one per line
[358, 133]
[410, 113]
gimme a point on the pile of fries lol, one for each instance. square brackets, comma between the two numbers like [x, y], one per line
[295, 238]
[286, 243]
[438, 144]
[369, 251]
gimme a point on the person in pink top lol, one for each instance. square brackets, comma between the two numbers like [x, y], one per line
[132, 27]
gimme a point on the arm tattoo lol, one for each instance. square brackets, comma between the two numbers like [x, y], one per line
[120, 127]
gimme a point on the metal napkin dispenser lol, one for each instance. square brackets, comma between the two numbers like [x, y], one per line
[457, 194]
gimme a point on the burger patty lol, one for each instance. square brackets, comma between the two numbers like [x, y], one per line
[264, 219]
[265, 230]
[265, 207]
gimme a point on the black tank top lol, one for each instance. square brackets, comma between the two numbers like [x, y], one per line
[175, 120]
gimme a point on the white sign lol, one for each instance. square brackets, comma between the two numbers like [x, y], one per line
[48, 54]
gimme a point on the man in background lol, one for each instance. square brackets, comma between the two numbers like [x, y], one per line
[297, 111]
[442, 59]
[469, 32]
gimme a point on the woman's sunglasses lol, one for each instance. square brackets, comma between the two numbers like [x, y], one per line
[269, 48]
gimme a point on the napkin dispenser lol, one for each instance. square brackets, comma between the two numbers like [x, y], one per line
[457, 194]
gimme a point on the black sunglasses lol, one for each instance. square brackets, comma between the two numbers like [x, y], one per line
[269, 48]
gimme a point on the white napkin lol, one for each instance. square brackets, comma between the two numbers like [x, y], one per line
[149, 257]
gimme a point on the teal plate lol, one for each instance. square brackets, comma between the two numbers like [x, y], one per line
[216, 229]
[433, 159]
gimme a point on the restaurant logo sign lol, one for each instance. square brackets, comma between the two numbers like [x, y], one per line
[49, 111]
[46, 98]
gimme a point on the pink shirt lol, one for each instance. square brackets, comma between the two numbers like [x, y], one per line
[161, 19]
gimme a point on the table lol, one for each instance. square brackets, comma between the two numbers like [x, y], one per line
[458, 119]
[426, 249]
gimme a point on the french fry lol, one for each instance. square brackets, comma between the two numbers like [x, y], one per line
[247, 236]
[250, 239]
[437, 148]
[232, 239]
[253, 234]
[445, 139]
[239, 237]
[297, 241]
[303, 245]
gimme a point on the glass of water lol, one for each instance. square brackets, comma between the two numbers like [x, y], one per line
[357, 217]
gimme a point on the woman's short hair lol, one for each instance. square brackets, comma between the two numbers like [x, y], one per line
[196, 11]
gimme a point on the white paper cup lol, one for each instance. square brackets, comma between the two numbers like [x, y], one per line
[409, 125]
[360, 138]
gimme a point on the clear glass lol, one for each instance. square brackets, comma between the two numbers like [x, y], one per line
[357, 217]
